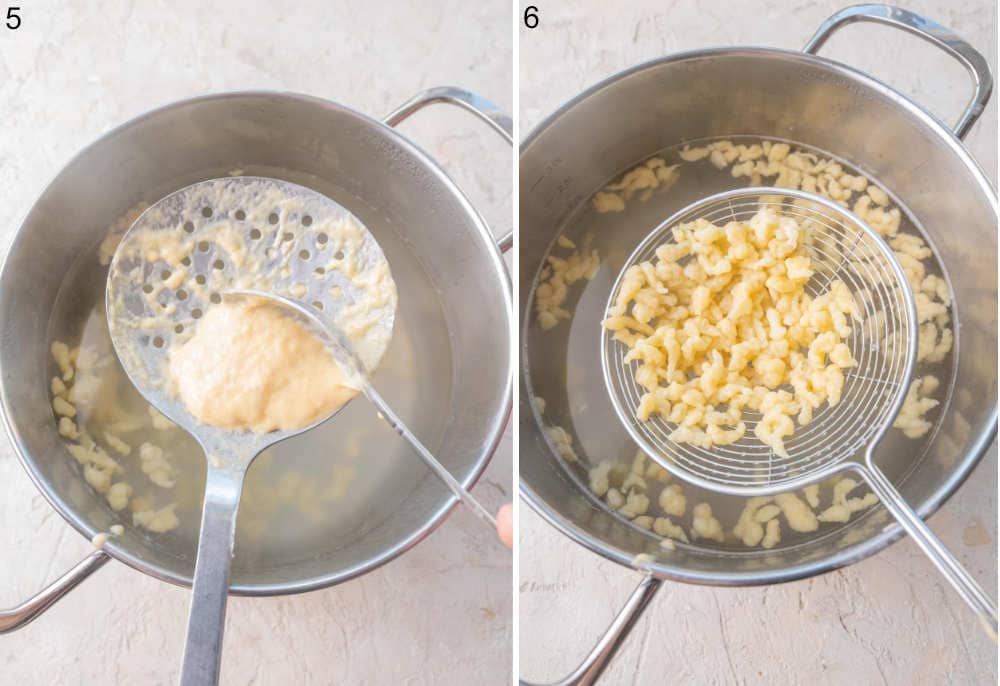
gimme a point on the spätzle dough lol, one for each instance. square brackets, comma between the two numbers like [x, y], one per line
[629, 490]
[652, 174]
[105, 474]
[557, 276]
[249, 366]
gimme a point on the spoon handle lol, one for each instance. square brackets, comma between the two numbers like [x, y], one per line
[207, 617]
[451, 482]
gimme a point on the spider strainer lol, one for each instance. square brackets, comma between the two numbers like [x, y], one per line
[188, 252]
[839, 438]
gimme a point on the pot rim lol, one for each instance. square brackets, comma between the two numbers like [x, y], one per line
[892, 532]
[113, 548]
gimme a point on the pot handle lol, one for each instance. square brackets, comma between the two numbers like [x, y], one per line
[930, 31]
[17, 617]
[600, 655]
[481, 107]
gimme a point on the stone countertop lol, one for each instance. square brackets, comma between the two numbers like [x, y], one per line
[441, 613]
[887, 620]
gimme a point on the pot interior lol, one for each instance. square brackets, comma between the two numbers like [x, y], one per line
[744, 96]
[337, 500]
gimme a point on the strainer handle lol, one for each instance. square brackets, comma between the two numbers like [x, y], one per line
[930, 31]
[470, 102]
[597, 660]
[17, 617]
[967, 587]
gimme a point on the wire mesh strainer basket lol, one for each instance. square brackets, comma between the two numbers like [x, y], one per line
[883, 343]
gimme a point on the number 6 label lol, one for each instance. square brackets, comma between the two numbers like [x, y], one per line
[531, 16]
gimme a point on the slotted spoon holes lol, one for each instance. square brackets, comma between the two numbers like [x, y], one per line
[311, 262]
[158, 301]
[284, 246]
[176, 307]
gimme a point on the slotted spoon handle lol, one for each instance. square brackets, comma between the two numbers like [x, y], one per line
[960, 579]
[210, 591]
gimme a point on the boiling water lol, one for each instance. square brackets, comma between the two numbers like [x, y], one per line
[564, 362]
[320, 490]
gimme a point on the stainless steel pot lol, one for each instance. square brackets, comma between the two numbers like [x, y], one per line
[817, 102]
[445, 260]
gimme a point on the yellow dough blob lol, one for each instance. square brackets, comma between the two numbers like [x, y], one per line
[249, 366]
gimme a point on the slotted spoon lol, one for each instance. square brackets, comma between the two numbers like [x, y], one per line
[840, 438]
[286, 236]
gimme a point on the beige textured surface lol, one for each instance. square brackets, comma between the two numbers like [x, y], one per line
[441, 613]
[886, 620]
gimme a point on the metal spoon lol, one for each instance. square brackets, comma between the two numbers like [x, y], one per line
[343, 352]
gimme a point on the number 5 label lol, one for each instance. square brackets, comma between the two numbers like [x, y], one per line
[13, 18]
